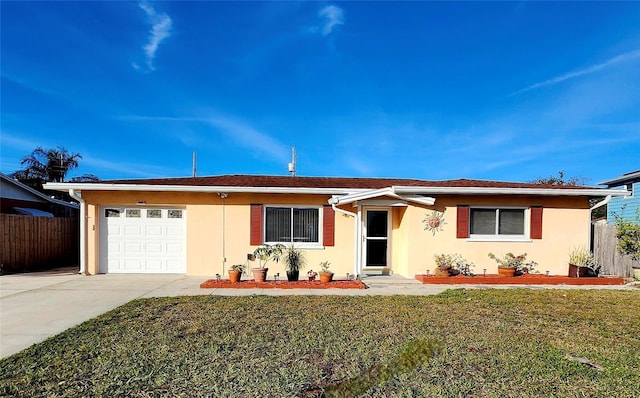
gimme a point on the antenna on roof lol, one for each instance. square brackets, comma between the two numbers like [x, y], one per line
[194, 164]
[292, 164]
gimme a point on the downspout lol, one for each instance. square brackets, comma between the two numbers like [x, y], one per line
[83, 223]
[223, 196]
[599, 204]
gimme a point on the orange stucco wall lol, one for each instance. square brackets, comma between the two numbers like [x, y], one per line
[565, 225]
[218, 231]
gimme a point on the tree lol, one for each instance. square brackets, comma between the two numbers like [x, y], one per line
[560, 179]
[49, 165]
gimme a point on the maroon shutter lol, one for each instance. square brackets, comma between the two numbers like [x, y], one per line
[328, 226]
[256, 225]
[462, 222]
[536, 223]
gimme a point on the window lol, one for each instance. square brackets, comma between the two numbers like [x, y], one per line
[507, 222]
[174, 213]
[133, 213]
[629, 188]
[154, 213]
[111, 212]
[292, 224]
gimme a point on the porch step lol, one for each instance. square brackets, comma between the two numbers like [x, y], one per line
[386, 280]
[369, 271]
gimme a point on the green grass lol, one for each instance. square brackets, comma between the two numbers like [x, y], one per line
[487, 343]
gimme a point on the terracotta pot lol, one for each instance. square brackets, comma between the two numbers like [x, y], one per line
[234, 276]
[292, 276]
[326, 277]
[505, 271]
[259, 274]
[578, 272]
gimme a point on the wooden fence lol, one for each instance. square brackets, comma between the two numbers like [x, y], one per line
[30, 243]
[607, 255]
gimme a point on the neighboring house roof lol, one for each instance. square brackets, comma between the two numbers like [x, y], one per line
[332, 185]
[17, 190]
[632, 176]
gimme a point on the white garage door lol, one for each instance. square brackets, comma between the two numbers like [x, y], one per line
[142, 240]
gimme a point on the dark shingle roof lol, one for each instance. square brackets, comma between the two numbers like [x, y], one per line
[326, 182]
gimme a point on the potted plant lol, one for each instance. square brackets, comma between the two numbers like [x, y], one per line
[451, 264]
[511, 264]
[582, 263]
[294, 261]
[325, 275]
[266, 253]
[235, 272]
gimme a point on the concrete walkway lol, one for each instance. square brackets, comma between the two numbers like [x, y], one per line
[39, 305]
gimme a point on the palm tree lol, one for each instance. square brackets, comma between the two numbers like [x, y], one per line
[50, 165]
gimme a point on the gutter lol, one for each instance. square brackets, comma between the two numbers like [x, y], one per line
[83, 224]
[509, 191]
[601, 203]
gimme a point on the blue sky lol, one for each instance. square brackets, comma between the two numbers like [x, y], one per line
[432, 90]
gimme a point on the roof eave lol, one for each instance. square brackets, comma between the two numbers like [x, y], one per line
[509, 191]
[195, 188]
[632, 177]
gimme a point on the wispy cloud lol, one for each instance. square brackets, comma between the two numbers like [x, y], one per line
[249, 137]
[160, 30]
[237, 130]
[591, 69]
[131, 170]
[331, 16]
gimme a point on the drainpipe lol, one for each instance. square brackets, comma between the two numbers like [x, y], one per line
[83, 223]
[601, 203]
[223, 196]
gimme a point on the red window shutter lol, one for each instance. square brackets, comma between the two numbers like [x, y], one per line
[256, 225]
[536, 223]
[462, 222]
[328, 226]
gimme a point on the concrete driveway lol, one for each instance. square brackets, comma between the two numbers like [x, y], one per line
[38, 305]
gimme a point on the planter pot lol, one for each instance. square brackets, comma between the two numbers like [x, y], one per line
[444, 271]
[326, 277]
[578, 272]
[292, 276]
[504, 271]
[636, 274]
[259, 274]
[234, 276]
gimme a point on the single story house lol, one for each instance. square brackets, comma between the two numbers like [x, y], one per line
[18, 198]
[626, 206]
[203, 225]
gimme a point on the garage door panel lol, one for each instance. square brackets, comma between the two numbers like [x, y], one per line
[153, 231]
[154, 265]
[133, 242]
[175, 230]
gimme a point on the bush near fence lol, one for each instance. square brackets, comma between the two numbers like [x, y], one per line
[34, 243]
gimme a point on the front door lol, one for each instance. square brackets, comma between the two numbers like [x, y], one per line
[376, 238]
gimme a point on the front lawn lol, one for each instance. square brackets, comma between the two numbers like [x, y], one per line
[488, 343]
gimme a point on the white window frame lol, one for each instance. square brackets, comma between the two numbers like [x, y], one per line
[300, 245]
[498, 237]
